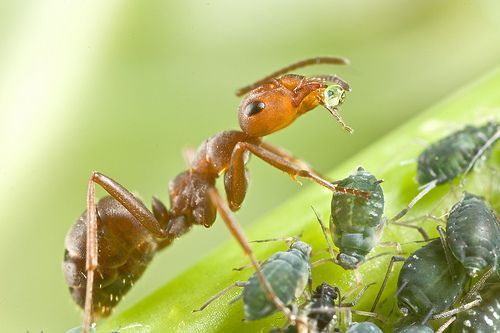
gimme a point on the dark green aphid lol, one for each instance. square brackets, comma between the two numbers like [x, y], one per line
[485, 318]
[356, 223]
[452, 156]
[364, 327]
[425, 285]
[321, 315]
[287, 272]
[473, 234]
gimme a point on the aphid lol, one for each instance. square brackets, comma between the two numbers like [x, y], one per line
[287, 273]
[320, 314]
[356, 223]
[129, 234]
[485, 318]
[473, 234]
[452, 156]
[425, 285]
[410, 325]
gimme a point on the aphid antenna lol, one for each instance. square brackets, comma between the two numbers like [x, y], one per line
[476, 288]
[386, 278]
[480, 153]
[424, 190]
[239, 284]
[287, 240]
[461, 308]
[287, 69]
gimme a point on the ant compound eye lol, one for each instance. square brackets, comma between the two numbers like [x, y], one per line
[254, 108]
[334, 95]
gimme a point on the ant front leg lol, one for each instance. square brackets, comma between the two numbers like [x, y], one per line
[133, 205]
[237, 171]
[238, 233]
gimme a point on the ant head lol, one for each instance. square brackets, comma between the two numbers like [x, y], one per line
[275, 101]
[266, 110]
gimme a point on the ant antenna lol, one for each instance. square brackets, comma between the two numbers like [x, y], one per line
[303, 63]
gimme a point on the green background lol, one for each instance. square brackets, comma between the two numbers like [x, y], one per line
[123, 86]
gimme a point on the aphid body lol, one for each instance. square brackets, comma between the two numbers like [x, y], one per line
[364, 327]
[287, 273]
[425, 284]
[356, 224]
[473, 234]
[485, 318]
[450, 157]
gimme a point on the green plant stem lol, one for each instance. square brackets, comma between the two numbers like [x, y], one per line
[169, 309]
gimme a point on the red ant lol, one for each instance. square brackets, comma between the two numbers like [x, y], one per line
[129, 234]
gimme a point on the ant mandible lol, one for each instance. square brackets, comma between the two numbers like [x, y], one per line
[129, 234]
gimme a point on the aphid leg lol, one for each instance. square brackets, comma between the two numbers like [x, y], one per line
[480, 153]
[386, 278]
[447, 253]
[397, 245]
[242, 268]
[425, 189]
[421, 230]
[443, 327]
[236, 168]
[133, 205]
[358, 296]
[240, 284]
[289, 68]
[359, 277]
[335, 113]
[323, 230]
[238, 233]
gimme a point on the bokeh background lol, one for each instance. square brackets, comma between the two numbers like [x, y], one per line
[123, 86]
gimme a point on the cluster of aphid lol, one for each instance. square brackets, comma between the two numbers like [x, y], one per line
[114, 240]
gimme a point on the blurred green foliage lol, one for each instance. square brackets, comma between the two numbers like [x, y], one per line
[123, 87]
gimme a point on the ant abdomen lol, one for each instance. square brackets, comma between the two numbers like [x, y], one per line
[125, 250]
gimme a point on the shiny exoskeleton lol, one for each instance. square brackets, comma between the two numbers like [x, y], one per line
[425, 284]
[485, 318]
[452, 156]
[356, 224]
[117, 237]
[473, 234]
